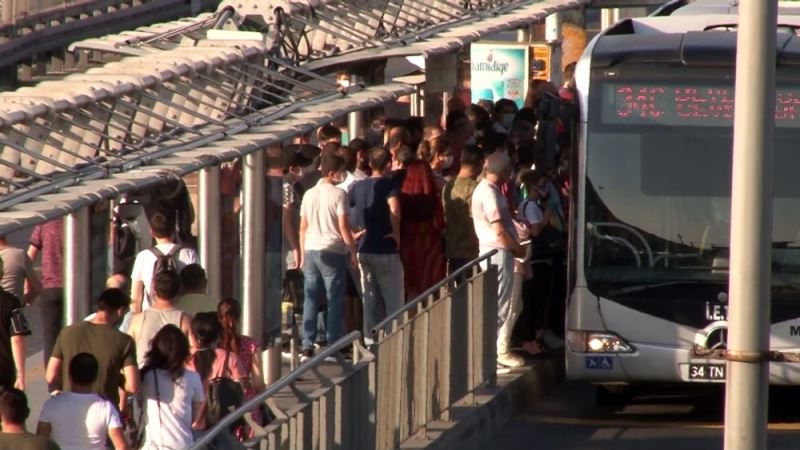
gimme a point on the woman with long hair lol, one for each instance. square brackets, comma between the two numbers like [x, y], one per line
[229, 313]
[172, 395]
[421, 228]
[208, 359]
[436, 152]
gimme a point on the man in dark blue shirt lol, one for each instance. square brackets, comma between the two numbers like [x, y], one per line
[375, 210]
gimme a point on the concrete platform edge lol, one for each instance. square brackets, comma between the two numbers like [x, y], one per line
[472, 426]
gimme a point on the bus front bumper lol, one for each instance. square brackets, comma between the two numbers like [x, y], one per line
[654, 363]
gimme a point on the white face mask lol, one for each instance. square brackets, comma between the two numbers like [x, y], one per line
[307, 170]
[447, 162]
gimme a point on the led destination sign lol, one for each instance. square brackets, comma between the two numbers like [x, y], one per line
[686, 105]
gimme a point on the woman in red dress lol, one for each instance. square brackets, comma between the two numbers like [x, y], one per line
[422, 225]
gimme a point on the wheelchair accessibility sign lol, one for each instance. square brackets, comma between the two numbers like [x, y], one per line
[599, 362]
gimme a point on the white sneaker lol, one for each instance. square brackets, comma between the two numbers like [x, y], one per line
[510, 360]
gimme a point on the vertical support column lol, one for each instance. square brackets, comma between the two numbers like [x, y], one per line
[523, 35]
[421, 96]
[253, 191]
[7, 14]
[608, 17]
[77, 280]
[415, 98]
[552, 34]
[746, 395]
[210, 228]
[356, 120]
[441, 76]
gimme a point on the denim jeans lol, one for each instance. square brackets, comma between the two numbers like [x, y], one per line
[324, 274]
[504, 260]
[382, 282]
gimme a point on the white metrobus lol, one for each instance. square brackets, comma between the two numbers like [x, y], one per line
[650, 229]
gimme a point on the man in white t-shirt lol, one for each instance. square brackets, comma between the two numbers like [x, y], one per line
[162, 226]
[80, 419]
[496, 231]
[325, 240]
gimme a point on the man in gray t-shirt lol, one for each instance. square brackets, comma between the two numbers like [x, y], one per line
[325, 239]
[18, 268]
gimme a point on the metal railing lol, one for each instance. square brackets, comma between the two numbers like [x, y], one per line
[435, 351]
[338, 410]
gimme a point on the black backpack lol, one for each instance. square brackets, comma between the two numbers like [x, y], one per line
[223, 397]
[164, 262]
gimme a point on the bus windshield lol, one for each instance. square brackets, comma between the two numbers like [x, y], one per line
[658, 180]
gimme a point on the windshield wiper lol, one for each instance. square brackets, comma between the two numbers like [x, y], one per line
[645, 287]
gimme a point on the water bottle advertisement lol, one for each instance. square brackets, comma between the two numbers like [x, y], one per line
[499, 71]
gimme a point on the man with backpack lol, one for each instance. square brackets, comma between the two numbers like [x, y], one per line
[165, 255]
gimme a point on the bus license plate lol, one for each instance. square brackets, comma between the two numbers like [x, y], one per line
[710, 372]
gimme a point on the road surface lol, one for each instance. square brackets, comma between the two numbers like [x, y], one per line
[571, 419]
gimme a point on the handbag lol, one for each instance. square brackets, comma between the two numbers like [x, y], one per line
[223, 397]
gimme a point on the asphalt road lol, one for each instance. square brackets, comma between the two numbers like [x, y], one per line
[571, 419]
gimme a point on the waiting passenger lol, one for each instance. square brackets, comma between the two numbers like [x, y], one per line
[146, 324]
[162, 225]
[194, 299]
[14, 411]
[115, 351]
[375, 206]
[79, 419]
[171, 394]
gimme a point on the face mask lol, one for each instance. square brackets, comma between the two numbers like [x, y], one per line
[471, 141]
[447, 162]
[307, 170]
[507, 121]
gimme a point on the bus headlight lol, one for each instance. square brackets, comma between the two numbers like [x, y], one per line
[597, 342]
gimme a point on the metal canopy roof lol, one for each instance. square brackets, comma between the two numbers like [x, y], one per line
[315, 31]
[41, 207]
[179, 101]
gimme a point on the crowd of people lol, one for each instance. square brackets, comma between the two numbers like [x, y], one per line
[386, 223]
[142, 371]
[359, 229]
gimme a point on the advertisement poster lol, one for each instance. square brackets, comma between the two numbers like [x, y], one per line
[499, 71]
[540, 62]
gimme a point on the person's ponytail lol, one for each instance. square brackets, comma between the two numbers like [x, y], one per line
[229, 312]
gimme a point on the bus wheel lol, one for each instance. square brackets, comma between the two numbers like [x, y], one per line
[612, 395]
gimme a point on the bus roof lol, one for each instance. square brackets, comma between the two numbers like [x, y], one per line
[702, 40]
[683, 24]
[698, 7]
